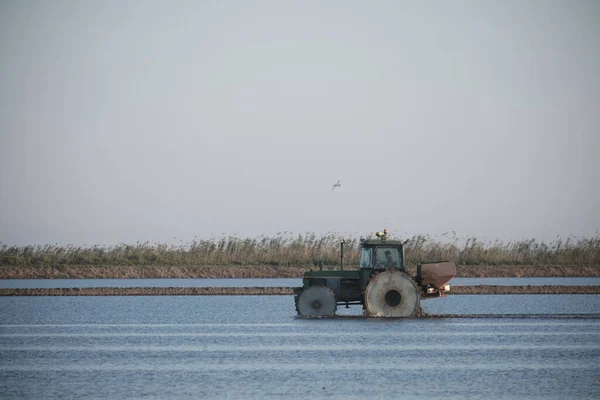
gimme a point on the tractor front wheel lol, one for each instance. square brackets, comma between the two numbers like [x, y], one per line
[316, 301]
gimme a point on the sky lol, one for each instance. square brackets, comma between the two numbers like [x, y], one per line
[169, 121]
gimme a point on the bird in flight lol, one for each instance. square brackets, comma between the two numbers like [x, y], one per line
[338, 184]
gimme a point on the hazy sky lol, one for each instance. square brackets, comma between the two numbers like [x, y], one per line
[153, 120]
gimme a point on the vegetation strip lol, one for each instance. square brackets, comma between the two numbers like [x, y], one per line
[289, 249]
[265, 291]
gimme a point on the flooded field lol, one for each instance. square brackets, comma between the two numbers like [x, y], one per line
[255, 347]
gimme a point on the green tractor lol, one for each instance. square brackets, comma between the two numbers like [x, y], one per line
[381, 284]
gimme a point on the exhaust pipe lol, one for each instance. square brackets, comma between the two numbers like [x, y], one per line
[342, 254]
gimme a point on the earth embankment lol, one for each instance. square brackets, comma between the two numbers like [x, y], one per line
[265, 291]
[155, 272]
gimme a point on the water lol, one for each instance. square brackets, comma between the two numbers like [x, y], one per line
[180, 347]
[82, 283]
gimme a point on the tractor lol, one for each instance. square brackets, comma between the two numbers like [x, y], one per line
[381, 284]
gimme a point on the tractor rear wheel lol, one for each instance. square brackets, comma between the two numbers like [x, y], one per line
[391, 294]
[316, 301]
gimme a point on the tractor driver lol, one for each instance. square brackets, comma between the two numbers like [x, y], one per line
[389, 261]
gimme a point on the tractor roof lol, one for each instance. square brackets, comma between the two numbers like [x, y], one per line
[379, 242]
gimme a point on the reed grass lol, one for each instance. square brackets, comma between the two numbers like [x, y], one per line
[305, 250]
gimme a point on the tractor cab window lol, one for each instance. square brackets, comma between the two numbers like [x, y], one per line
[366, 258]
[388, 257]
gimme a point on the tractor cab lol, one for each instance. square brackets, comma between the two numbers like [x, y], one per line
[381, 255]
[378, 255]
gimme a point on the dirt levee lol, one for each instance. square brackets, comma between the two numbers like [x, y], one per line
[149, 272]
[264, 291]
